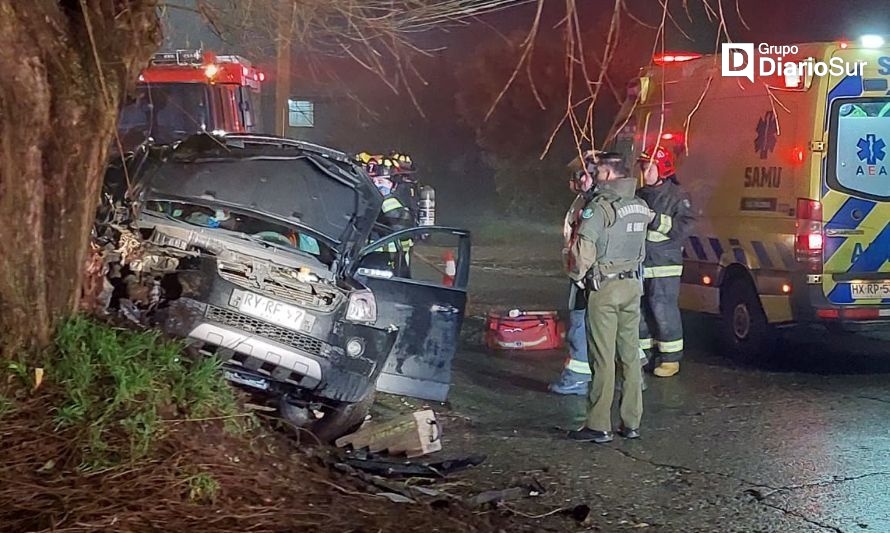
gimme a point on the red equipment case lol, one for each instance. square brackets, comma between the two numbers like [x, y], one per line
[525, 330]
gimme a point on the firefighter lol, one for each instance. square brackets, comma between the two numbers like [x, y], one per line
[607, 257]
[405, 182]
[395, 216]
[661, 327]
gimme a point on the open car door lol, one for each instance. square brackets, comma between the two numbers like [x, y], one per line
[422, 291]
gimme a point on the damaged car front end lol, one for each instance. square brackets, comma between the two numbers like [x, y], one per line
[242, 245]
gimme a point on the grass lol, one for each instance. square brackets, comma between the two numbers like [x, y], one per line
[203, 488]
[119, 381]
[6, 406]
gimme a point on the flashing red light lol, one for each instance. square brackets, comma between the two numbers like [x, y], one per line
[671, 136]
[797, 154]
[245, 71]
[844, 45]
[662, 59]
[262, 77]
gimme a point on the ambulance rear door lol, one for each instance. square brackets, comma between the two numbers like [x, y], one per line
[856, 187]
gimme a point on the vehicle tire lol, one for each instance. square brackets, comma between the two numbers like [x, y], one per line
[342, 419]
[745, 332]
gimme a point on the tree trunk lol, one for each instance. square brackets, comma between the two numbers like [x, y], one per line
[65, 65]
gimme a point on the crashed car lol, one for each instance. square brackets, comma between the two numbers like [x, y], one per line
[251, 247]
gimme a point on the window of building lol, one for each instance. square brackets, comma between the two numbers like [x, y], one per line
[300, 113]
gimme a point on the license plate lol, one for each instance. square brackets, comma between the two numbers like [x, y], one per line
[256, 383]
[870, 290]
[267, 309]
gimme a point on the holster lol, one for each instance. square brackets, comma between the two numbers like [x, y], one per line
[593, 280]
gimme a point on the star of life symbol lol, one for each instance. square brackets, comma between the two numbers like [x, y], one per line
[767, 135]
[871, 149]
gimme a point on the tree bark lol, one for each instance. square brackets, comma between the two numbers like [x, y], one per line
[64, 68]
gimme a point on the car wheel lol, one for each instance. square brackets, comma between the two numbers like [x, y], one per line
[746, 333]
[342, 419]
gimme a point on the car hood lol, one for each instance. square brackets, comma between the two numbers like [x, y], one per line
[294, 182]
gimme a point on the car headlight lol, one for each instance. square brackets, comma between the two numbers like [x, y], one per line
[362, 307]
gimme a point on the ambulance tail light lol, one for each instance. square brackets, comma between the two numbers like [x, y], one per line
[809, 239]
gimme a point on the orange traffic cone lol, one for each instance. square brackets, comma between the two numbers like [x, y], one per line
[450, 268]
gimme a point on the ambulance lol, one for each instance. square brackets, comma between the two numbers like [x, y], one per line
[789, 173]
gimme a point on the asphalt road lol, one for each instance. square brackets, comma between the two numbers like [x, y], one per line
[800, 443]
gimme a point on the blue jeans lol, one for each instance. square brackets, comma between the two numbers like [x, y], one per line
[576, 336]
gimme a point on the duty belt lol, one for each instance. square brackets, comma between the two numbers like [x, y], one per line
[630, 274]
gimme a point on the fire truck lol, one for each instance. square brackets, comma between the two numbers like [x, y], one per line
[188, 91]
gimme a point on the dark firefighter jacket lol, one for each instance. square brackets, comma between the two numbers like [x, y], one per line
[669, 229]
[395, 216]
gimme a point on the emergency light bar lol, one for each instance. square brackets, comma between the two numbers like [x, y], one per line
[179, 57]
[661, 59]
[871, 41]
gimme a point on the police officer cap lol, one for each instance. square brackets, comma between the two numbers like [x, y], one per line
[608, 157]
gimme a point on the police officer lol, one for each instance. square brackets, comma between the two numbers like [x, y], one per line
[661, 326]
[575, 376]
[608, 252]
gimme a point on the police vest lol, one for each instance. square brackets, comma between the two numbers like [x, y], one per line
[621, 245]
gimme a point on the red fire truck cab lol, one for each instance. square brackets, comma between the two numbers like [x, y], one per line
[189, 91]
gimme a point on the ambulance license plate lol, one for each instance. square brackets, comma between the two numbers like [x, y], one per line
[870, 290]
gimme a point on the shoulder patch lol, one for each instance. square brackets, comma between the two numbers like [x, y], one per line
[587, 212]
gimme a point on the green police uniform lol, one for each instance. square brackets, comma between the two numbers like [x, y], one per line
[608, 253]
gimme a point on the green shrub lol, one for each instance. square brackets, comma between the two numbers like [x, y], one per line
[116, 381]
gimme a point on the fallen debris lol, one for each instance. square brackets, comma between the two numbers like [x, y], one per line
[414, 435]
[395, 469]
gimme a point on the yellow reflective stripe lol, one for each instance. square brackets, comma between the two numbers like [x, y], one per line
[388, 247]
[671, 346]
[390, 204]
[654, 236]
[578, 367]
[663, 271]
[665, 224]
[646, 344]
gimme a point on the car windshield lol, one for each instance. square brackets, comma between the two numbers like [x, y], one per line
[859, 147]
[167, 112]
[249, 225]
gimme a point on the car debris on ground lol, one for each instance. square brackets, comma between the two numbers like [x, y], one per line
[413, 435]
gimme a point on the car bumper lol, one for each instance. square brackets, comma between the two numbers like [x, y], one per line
[302, 363]
[814, 307]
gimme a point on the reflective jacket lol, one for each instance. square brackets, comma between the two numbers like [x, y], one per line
[669, 229]
[395, 216]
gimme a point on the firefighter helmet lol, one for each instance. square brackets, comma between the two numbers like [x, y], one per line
[662, 158]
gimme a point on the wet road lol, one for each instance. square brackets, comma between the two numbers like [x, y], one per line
[798, 444]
